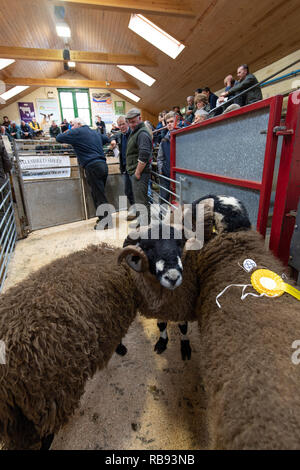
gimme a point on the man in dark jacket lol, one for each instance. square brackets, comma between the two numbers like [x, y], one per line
[246, 80]
[138, 159]
[163, 159]
[26, 131]
[121, 139]
[5, 164]
[54, 129]
[88, 146]
[212, 98]
[100, 125]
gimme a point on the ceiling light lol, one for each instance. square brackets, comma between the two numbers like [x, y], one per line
[156, 36]
[127, 93]
[5, 62]
[12, 92]
[137, 73]
[71, 64]
[63, 31]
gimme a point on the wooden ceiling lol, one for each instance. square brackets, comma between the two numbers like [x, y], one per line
[218, 35]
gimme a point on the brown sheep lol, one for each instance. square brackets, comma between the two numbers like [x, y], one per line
[251, 382]
[59, 326]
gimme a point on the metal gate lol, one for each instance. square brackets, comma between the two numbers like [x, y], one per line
[52, 189]
[8, 231]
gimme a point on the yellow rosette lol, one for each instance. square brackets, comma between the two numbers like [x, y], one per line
[269, 283]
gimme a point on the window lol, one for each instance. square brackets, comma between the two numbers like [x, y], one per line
[74, 103]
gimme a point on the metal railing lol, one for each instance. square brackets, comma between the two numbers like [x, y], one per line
[8, 230]
[156, 198]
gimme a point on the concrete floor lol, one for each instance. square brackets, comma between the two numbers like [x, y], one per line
[142, 400]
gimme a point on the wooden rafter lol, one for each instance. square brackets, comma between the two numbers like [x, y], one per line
[56, 55]
[150, 7]
[67, 82]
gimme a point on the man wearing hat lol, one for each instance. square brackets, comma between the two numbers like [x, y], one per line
[138, 159]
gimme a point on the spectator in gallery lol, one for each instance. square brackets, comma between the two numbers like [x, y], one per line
[100, 125]
[4, 131]
[212, 98]
[26, 131]
[37, 131]
[6, 121]
[201, 103]
[189, 115]
[246, 80]
[54, 130]
[65, 126]
[14, 130]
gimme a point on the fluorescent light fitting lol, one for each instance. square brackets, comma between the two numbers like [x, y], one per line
[63, 31]
[12, 92]
[156, 36]
[127, 93]
[137, 73]
[5, 63]
[71, 64]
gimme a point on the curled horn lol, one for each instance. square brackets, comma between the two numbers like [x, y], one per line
[135, 258]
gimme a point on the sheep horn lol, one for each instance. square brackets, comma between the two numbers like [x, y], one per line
[130, 251]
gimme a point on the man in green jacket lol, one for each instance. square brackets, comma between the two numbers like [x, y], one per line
[246, 80]
[138, 160]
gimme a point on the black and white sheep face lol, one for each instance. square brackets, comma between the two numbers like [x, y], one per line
[158, 253]
[164, 257]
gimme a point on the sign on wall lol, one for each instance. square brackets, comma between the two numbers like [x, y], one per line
[119, 108]
[33, 167]
[102, 106]
[26, 111]
[47, 111]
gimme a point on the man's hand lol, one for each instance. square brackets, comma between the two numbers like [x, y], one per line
[137, 175]
[221, 99]
[225, 94]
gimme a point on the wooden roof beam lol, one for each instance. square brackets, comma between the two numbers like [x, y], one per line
[67, 82]
[151, 7]
[84, 57]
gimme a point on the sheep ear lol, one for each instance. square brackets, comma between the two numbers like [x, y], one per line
[135, 258]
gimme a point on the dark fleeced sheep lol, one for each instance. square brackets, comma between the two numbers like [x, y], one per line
[59, 326]
[251, 383]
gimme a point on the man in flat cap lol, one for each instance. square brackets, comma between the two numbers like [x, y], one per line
[138, 159]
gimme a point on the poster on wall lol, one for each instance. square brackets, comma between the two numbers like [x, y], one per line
[47, 111]
[102, 106]
[119, 108]
[26, 111]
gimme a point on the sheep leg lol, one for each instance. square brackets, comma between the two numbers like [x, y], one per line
[121, 349]
[46, 442]
[185, 347]
[161, 344]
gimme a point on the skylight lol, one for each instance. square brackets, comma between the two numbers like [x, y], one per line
[156, 36]
[12, 92]
[63, 31]
[137, 73]
[127, 93]
[5, 63]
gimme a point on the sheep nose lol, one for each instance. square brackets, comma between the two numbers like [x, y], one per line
[173, 276]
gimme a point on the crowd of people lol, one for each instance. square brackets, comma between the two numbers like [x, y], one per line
[136, 139]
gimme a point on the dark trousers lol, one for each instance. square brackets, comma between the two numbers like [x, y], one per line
[96, 175]
[128, 189]
[140, 190]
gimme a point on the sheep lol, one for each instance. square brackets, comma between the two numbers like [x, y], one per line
[250, 380]
[227, 214]
[59, 326]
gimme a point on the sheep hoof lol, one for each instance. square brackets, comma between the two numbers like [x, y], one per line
[121, 350]
[186, 351]
[161, 345]
[46, 442]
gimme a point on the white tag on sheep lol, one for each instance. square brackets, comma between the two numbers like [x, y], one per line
[249, 265]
